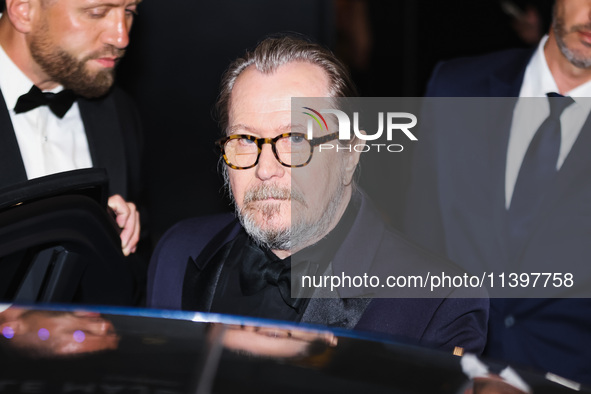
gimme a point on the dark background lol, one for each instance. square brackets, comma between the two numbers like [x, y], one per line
[180, 48]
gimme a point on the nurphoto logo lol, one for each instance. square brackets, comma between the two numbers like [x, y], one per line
[391, 119]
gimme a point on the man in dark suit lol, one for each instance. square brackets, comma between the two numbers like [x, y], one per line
[298, 211]
[57, 110]
[478, 197]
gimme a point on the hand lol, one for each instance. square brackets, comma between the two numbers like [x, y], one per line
[128, 218]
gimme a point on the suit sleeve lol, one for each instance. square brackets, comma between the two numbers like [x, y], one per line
[459, 322]
[432, 322]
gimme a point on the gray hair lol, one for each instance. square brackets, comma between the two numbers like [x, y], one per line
[273, 52]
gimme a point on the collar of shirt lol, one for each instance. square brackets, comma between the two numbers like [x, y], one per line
[13, 82]
[538, 79]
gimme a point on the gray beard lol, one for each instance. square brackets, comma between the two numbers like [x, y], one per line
[574, 58]
[295, 237]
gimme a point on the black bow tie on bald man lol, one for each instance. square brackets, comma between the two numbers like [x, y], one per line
[58, 103]
[258, 271]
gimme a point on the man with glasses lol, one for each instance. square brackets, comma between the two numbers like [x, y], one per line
[298, 212]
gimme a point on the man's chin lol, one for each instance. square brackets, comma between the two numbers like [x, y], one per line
[93, 90]
[92, 82]
[272, 237]
[272, 225]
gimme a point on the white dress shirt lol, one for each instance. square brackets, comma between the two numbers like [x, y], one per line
[530, 112]
[47, 143]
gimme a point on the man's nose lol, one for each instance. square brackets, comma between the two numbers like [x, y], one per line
[117, 31]
[268, 165]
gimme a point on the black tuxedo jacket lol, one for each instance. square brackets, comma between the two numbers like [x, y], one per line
[439, 322]
[457, 207]
[113, 130]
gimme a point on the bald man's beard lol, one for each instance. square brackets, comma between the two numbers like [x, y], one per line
[301, 233]
[70, 72]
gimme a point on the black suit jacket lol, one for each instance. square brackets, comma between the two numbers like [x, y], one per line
[457, 207]
[113, 131]
[368, 248]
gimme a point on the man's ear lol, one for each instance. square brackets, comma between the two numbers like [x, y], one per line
[20, 15]
[352, 158]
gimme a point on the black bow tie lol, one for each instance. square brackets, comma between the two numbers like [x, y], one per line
[258, 271]
[58, 103]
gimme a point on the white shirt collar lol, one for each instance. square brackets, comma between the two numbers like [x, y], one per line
[13, 82]
[542, 81]
[538, 81]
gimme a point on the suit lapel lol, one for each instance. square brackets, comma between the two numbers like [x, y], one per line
[202, 275]
[105, 140]
[335, 312]
[11, 164]
[506, 81]
[503, 85]
[359, 249]
[354, 257]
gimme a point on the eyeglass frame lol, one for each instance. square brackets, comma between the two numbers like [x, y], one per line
[260, 141]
